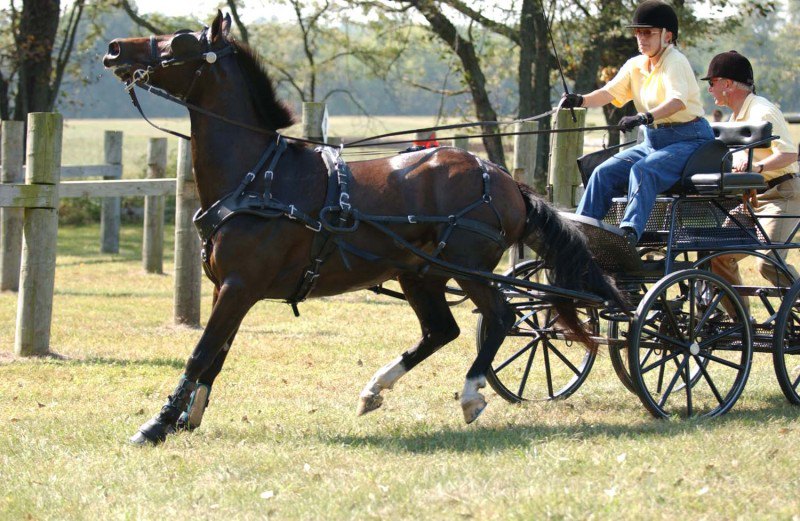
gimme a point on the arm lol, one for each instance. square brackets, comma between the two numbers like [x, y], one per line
[667, 109]
[597, 98]
[776, 161]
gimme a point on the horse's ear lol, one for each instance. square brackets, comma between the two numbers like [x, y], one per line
[221, 27]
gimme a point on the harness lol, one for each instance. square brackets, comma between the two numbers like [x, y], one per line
[337, 219]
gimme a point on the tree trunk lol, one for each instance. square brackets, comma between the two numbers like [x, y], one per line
[35, 40]
[473, 74]
[541, 97]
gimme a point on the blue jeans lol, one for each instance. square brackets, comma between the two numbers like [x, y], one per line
[646, 170]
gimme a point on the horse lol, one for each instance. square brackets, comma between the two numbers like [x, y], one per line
[265, 237]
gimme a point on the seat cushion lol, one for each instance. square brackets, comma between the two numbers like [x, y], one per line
[716, 183]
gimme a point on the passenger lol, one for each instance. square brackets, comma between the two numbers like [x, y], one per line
[716, 115]
[730, 81]
[665, 92]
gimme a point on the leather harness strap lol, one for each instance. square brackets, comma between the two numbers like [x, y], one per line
[337, 218]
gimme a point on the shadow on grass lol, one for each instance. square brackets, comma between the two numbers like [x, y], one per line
[480, 440]
[175, 363]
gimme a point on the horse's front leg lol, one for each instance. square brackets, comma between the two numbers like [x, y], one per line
[232, 305]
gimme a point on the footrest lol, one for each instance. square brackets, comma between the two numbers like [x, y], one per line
[607, 243]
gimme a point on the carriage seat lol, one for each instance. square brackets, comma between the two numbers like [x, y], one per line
[708, 170]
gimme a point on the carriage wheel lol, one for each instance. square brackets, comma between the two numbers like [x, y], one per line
[618, 353]
[687, 355]
[536, 361]
[786, 345]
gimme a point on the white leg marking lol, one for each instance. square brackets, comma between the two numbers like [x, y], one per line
[472, 401]
[384, 378]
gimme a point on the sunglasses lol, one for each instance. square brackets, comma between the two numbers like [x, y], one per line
[646, 33]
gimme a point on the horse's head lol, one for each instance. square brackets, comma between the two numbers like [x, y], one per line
[170, 61]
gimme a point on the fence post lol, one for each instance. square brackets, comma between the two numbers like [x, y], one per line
[111, 208]
[315, 121]
[153, 241]
[11, 137]
[564, 176]
[40, 231]
[524, 168]
[186, 305]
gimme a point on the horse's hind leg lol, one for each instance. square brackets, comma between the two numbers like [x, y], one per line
[499, 317]
[229, 310]
[427, 299]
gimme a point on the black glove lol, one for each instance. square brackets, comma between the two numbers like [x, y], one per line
[631, 122]
[571, 101]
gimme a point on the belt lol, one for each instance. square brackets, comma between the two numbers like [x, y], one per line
[772, 183]
[668, 125]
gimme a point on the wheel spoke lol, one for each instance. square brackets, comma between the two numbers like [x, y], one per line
[719, 336]
[688, 381]
[664, 359]
[563, 358]
[516, 355]
[665, 338]
[796, 381]
[672, 320]
[548, 374]
[527, 372]
[672, 382]
[722, 361]
[708, 379]
[712, 307]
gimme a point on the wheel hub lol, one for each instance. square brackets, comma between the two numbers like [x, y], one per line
[694, 348]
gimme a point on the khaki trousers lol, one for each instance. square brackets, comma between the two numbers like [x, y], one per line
[778, 200]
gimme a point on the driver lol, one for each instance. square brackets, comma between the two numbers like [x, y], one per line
[666, 95]
[730, 81]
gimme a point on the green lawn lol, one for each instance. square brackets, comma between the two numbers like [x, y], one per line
[281, 439]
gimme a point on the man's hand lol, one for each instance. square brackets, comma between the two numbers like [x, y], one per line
[631, 122]
[571, 101]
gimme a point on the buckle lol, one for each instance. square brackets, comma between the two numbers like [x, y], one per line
[344, 201]
[315, 230]
[412, 219]
[292, 212]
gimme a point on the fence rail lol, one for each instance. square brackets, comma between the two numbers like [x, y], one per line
[30, 234]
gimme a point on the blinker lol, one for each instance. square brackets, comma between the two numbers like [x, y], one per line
[185, 45]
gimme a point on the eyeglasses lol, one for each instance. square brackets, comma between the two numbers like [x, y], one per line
[646, 33]
[712, 81]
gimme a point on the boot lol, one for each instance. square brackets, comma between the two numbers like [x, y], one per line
[163, 424]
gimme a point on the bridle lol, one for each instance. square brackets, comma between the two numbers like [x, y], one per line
[185, 49]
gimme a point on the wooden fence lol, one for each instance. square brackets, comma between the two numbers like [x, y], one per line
[34, 205]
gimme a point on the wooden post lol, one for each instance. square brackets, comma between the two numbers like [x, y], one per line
[186, 305]
[524, 168]
[153, 241]
[461, 141]
[111, 209]
[40, 231]
[564, 176]
[315, 121]
[12, 133]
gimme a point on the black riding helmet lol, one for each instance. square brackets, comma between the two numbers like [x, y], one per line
[653, 13]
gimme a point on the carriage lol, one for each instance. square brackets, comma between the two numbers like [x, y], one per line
[282, 220]
[687, 348]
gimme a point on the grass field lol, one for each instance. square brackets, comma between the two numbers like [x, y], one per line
[281, 439]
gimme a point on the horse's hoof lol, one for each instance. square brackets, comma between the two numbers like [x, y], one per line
[152, 433]
[142, 440]
[473, 408]
[369, 403]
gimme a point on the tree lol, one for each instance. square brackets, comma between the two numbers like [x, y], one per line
[33, 68]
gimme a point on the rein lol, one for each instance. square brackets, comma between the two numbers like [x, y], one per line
[140, 78]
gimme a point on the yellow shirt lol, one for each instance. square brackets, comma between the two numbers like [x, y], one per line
[755, 108]
[671, 78]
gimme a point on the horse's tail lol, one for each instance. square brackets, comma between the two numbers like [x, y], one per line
[564, 251]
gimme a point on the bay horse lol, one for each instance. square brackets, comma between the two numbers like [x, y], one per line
[273, 245]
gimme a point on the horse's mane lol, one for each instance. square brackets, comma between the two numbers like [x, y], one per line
[272, 111]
